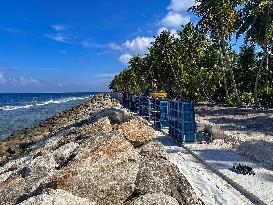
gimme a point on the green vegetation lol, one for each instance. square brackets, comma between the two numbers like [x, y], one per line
[200, 63]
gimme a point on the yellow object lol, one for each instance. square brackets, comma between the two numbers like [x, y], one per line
[159, 94]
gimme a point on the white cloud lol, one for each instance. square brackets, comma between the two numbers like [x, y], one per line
[125, 58]
[59, 27]
[58, 37]
[63, 38]
[115, 46]
[21, 80]
[139, 45]
[86, 43]
[176, 15]
[2, 79]
[106, 75]
[173, 31]
[174, 20]
[180, 5]
[130, 48]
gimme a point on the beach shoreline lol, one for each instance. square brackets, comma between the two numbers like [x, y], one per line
[101, 128]
[97, 153]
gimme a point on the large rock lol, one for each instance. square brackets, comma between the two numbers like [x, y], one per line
[57, 197]
[115, 115]
[18, 142]
[153, 199]
[157, 175]
[137, 131]
[154, 149]
[27, 180]
[105, 175]
[26, 177]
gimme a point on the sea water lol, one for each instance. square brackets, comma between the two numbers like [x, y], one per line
[18, 111]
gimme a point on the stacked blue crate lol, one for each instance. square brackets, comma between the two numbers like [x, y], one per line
[161, 112]
[182, 121]
[173, 119]
[187, 125]
[145, 108]
[164, 122]
[136, 104]
[140, 106]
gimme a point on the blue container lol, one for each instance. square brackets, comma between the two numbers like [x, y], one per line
[188, 116]
[189, 137]
[187, 107]
[164, 123]
[189, 126]
[179, 138]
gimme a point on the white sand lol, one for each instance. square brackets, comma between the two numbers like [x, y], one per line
[208, 186]
[261, 185]
[246, 131]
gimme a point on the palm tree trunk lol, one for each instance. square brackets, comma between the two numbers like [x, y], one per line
[228, 62]
[265, 57]
[223, 70]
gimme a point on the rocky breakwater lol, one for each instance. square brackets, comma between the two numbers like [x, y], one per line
[106, 156]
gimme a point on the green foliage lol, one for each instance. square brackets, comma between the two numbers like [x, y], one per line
[266, 97]
[255, 20]
[247, 98]
[200, 63]
[247, 68]
[231, 99]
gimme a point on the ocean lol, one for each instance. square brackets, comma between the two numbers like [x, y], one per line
[18, 111]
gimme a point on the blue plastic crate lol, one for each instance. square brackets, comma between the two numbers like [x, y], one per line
[179, 138]
[187, 106]
[188, 116]
[189, 137]
[189, 126]
[164, 123]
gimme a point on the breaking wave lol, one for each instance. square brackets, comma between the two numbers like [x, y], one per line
[59, 101]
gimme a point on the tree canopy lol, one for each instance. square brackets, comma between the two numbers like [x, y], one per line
[201, 63]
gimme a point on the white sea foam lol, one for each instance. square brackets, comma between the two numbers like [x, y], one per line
[59, 101]
[11, 107]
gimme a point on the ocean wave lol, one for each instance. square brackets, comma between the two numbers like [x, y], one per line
[59, 101]
[12, 107]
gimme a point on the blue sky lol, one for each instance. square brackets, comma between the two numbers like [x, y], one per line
[72, 45]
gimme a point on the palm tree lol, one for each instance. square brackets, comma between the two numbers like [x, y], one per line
[218, 18]
[191, 46]
[256, 21]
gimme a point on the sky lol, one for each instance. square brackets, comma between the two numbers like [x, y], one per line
[78, 45]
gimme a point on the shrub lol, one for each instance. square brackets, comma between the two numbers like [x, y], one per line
[231, 99]
[247, 98]
[265, 97]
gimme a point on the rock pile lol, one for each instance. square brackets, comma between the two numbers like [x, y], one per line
[137, 131]
[16, 144]
[106, 157]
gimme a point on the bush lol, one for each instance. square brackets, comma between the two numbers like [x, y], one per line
[247, 98]
[231, 99]
[265, 97]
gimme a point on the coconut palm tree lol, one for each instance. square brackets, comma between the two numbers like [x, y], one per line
[218, 18]
[256, 21]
